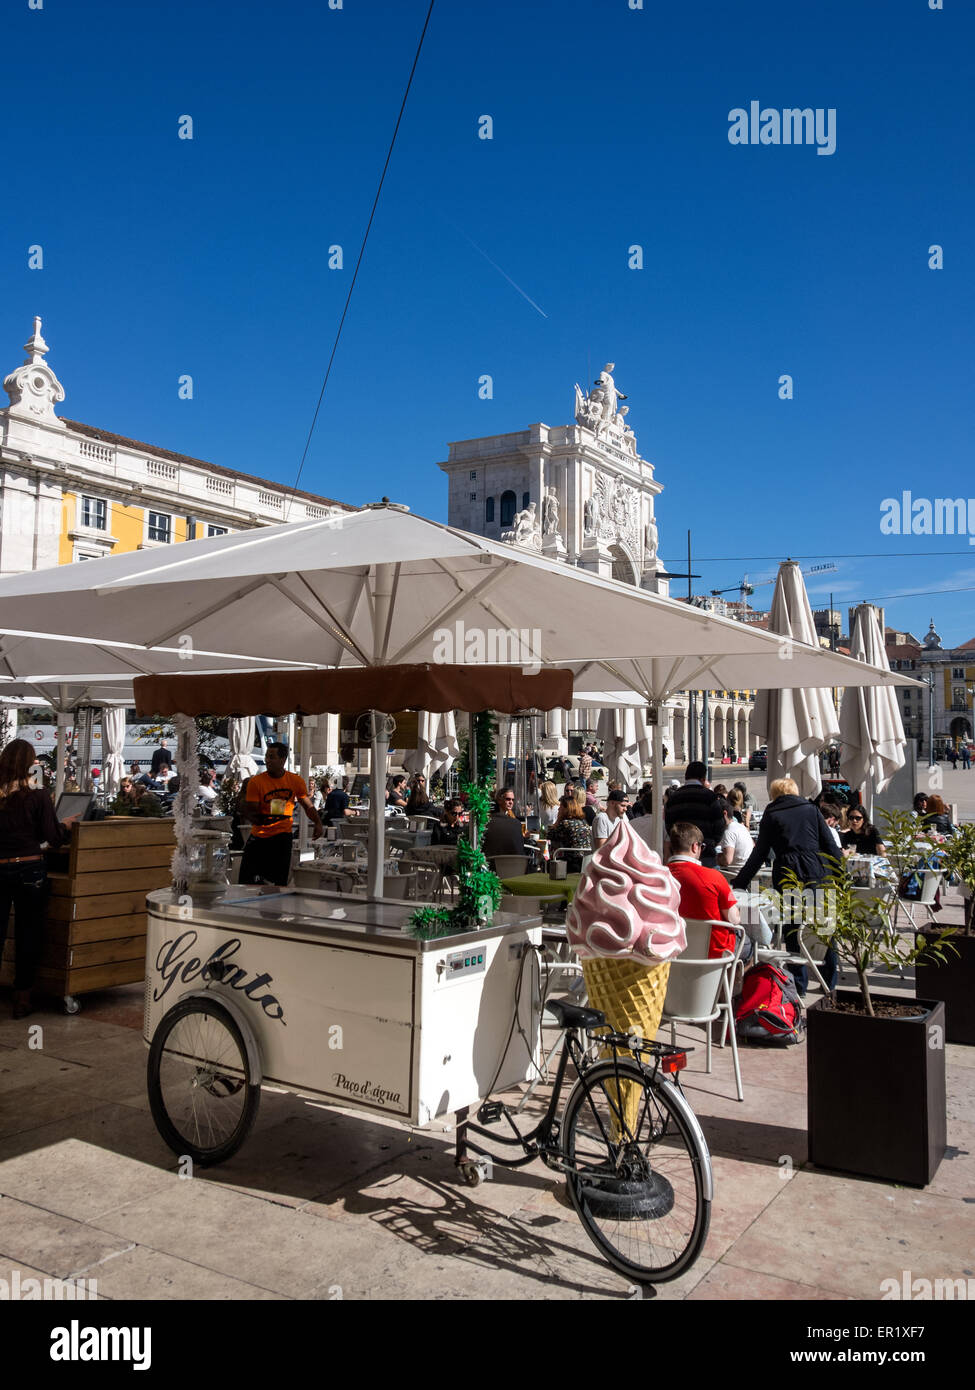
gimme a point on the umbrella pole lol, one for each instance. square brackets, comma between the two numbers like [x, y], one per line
[62, 754]
[657, 782]
[378, 750]
[304, 770]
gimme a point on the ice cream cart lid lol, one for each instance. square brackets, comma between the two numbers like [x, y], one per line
[435, 688]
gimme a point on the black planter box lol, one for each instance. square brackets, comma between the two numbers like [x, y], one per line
[954, 983]
[876, 1091]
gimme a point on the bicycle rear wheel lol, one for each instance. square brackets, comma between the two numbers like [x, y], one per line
[638, 1170]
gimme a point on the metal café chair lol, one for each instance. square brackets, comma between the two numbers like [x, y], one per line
[699, 992]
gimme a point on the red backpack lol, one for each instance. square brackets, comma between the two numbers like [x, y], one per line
[768, 1009]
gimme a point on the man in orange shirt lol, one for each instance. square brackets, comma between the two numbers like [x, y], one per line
[705, 895]
[269, 804]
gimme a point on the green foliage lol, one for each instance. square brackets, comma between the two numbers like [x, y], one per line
[906, 840]
[427, 923]
[857, 926]
[478, 885]
[959, 855]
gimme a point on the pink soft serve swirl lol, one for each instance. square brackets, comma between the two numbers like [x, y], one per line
[627, 903]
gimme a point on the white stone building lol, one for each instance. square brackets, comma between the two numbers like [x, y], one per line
[582, 494]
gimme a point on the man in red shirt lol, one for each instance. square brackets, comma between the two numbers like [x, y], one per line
[705, 895]
[269, 804]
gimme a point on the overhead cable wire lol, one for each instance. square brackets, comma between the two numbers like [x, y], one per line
[362, 251]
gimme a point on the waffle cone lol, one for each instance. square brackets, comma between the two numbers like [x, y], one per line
[631, 996]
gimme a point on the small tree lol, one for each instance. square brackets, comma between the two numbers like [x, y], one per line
[959, 858]
[858, 927]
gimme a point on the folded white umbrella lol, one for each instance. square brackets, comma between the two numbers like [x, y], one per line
[871, 729]
[797, 723]
[437, 745]
[240, 736]
[626, 743]
[113, 749]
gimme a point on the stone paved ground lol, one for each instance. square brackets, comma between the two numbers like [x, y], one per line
[320, 1199]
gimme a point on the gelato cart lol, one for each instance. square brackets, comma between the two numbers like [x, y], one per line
[328, 996]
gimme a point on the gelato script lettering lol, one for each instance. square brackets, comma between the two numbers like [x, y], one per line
[175, 963]
[365, 1090]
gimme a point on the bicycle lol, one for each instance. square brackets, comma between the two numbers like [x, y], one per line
[636, 1163]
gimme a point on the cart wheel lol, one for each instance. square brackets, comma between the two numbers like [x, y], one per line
[200, 1090]
[71, 1004]
[471, 1174]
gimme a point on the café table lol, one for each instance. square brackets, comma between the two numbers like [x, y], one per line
[541, 886]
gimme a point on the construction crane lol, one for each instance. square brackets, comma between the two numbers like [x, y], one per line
[746, 587]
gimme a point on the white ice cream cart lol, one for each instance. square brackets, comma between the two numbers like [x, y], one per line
[329, 997]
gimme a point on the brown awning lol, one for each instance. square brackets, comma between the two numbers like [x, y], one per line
[430, 687]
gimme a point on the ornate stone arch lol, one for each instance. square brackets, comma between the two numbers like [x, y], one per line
[625, 568]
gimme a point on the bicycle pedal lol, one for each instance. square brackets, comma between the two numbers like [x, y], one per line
[490, 1112]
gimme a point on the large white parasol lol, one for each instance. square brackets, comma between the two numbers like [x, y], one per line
[871, 729]
[798, 722]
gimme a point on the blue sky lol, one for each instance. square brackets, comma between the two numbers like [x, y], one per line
[209, 257]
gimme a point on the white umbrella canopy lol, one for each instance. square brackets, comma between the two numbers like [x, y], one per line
[871, 729]
[783, 664]
[50, 657]
[374, 587]
[798, 722]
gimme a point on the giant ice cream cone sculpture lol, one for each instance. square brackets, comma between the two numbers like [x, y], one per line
[625, 927]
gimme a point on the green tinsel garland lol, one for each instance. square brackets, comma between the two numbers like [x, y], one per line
[477, 882]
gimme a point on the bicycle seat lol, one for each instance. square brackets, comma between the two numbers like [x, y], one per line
[572, 1016]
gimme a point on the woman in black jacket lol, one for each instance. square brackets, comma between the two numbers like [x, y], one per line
[795, 831]
[27, 821]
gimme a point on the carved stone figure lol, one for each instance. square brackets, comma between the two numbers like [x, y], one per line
[650, 539]
[610, 395]
[550, 513]
[525, 529]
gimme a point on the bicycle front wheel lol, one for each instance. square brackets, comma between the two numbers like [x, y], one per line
[638, 1170]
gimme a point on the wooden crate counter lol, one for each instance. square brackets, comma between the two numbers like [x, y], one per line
[95, 933]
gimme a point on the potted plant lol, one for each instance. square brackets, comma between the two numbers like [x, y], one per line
[954, 982]
[875, 1061]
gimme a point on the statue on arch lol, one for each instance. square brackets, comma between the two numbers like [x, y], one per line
[650, 538]
[550, 513]
[524, 529]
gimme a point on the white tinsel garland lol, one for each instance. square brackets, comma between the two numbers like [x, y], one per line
[188, 772]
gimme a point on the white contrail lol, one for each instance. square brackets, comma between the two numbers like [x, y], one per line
[504, 273]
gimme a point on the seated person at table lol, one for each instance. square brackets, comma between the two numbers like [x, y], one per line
[269, 805]
[548, 804]
[451, 827]
[705, 895]
[735, 844]
[419, 803]
[396, 792]
[832, 816]
[643, 805]
[937, 817]
[336, 807]
[571, 830]
[602, 827]
[159, 780]
[862, 837]
[503, 833]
